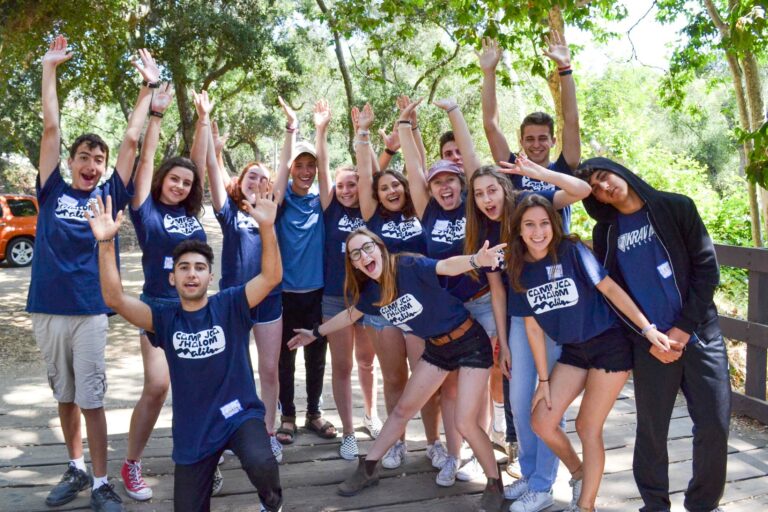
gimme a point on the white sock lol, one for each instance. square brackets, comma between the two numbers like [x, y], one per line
[499, 421]
[79, 463]
[98, 481]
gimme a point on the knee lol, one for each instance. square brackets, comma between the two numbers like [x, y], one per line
[588, 430]
[402, 413]
[156, 391]
[395, 379]
[260, 462]
[267, 371]
[543, 426]
[341, 368]
[465, 424]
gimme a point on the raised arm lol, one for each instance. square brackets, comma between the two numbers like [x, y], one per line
[143, 179]
[264, 212]
[572, 189]
[105, 230]
[417, 181]
[364, 119]
[322, 119]
[402, 102]
[557, 50]
[341, 320]
[490, 257]
[488, 59]
[391, 146]
[462, 136]
[51, 140]
[283, 171]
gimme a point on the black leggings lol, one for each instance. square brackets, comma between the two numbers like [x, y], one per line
[192, 482]
[302, 311]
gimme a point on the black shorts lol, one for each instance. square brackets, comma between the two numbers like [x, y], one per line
[473, 350]
[610, 351]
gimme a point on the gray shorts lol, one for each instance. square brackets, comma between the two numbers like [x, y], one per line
[73, 349]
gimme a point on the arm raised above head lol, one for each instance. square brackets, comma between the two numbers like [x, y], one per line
[283, 169]
[264, 212]
[488, 59]
[51, 140]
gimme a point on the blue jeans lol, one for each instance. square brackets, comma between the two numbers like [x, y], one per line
[482, 311]
[537, 462]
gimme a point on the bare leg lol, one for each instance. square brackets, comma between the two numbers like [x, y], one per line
[69, 416]
[424, 381]
[430, 413]
[341, 344]
[448, 398]
[390, 351]
[365, 354]
[268, 338]
[96, 427]
[473, 385]
[157, 380]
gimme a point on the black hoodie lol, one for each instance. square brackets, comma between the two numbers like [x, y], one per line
[682, 234]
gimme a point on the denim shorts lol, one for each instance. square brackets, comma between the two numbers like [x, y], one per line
[378, 322]
[610, 351]
[481, 310]
[268, 310]
[156, 301]
[333, 305]
[473, 350]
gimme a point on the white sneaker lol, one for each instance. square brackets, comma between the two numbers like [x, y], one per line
[513, 462]
[262, 508]
[498, 439]
[447, 475]
[575, 492]
[348, 447]
[516, 490]
[437, 454]
[533, 501]
[277, 448]
[470, 471]
[395, 456]
[372, 425]
[221, 459]
[218, 482]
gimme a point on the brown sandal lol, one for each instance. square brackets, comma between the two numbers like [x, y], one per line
[288, 434]
[326, 430]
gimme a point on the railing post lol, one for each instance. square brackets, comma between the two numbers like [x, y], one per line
[757, 311]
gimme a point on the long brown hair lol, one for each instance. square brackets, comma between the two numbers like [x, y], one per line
[355, 279]
[409, 211]
[234, 189]
[193, 203]
[516, 246]
[478, 223]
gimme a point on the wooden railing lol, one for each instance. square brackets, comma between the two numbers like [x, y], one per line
[753, 331]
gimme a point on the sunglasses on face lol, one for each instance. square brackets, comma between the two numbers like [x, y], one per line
[356, 254]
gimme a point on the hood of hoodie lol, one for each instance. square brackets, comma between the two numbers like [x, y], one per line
[602, 212]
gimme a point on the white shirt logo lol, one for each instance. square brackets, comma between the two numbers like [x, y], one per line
[448, 232]
[349, 224]
[404, 308]
[403, 231]
[555, 295]
[245, 221]
[640, 236]
[535, 185]
[199, 345]
[182, 225]
[67, 208]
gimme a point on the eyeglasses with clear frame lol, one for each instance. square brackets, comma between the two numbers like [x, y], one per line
[356, 254]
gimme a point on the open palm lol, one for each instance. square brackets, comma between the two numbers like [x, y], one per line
[57, 52]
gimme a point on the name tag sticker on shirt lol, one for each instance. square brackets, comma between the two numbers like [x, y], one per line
[554, 272]
[343, 247]
[168, 263]
[664, 270]
[231, 408]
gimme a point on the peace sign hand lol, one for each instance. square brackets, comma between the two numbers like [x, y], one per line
[490, 256]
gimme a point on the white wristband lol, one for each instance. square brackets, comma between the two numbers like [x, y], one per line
[647, 329]
[363, 132]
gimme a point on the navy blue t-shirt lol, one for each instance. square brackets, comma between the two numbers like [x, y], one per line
[340, 221]
[563, 296]
[65, 267]
[647, 271]
[159, 229]
[526, 183]
[445, 232]
[300, 234]
[422, 307]
[400, 234]
[213, 388]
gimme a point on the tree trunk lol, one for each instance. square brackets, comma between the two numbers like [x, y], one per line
[553, 81]
[757, 109]
[345, 76]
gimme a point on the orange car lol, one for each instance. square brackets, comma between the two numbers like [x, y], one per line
[18, 220]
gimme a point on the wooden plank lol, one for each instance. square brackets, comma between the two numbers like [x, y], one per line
[750, 407]
[743, 330]
[749, 258]
[757, 356]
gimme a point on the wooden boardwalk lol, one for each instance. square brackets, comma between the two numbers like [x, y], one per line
[32, 451]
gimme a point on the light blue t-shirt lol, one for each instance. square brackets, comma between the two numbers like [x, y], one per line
[300, 234]
[65, 267]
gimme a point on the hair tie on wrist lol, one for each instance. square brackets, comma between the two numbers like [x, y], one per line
[106, 241]
[390, 152]
[566, 72]
[473, 263]
[316, 331]
[155, 113]
[543, 380]
[451, 109]
[363, 132]
[404, 121]
[151, 85]
[647, 329]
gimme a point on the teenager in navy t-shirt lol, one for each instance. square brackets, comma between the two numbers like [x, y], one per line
[241, 253]
[405, 289]
[387, 207]
[342, 216]
[558, 286]
[208, 337]
[164, 212]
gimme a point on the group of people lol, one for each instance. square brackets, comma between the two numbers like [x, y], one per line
[460, 278]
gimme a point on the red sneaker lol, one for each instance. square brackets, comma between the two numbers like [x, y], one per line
[134, 483]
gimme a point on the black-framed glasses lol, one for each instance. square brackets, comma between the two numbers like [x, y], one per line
[356, 254]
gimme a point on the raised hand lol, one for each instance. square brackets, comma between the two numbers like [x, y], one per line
[303, 338]
[354, 115]
[391, 141]
[490, 256]
[557, 49]
[264, 210]
[365, 117]
[446, 104]
[100, 219]
[219, 140]
[403, 102]
[291, 120]
[148, 68]
[523, 167]
[57, 52]
[322, 115]
[490, 55]
[162, 98]
[203, 104]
